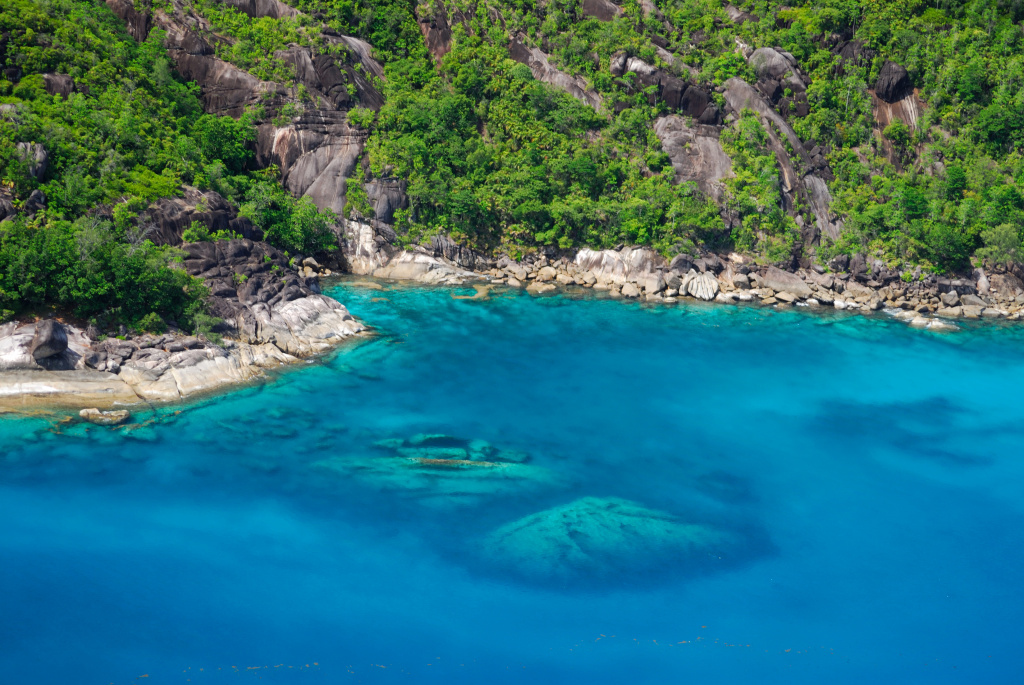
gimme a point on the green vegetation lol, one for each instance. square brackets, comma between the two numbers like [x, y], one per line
[946, 192]
[498, 160]
[130, 134]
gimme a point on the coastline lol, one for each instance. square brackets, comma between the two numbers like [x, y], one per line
[148, 370]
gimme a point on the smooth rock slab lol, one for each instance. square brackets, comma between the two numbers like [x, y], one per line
[595, 538]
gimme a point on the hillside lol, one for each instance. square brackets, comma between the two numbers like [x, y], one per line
[793, 134]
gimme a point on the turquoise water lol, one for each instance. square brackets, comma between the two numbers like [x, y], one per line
[869, 477]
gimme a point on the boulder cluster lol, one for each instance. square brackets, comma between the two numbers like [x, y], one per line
[846, 284]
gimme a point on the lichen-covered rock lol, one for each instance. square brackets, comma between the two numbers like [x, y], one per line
[594, 538]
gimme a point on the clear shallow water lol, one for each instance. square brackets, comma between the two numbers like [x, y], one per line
[873, 475]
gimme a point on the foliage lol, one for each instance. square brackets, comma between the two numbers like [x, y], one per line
[755, 192]
[198, 232]
[293, 225]
[87, 267]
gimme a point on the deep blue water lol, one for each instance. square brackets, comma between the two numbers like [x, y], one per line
[870, 476]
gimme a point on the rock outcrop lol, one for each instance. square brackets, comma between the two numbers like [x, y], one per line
[59, 84]
[542, 70]
[435, 27]
[618, 266]
[275, 9]
[595, 539]
[369, 250]
[674, 92]
[36, 157]
[797, 182]
[316, 149]
[166, 219]
[602, 10]
[164, 368]
[272, 315]
[893, 82]
[50, 339]
[696, 154]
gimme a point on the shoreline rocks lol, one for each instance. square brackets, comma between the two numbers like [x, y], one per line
[850, 285]
[272, 315]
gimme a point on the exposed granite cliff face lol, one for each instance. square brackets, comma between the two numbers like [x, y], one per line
[316, 150]
[696, 153]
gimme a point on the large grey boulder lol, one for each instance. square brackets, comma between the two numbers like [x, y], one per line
[602, 10]
[34, 154]
[275, 9]
[49, 340]
[703, 286]
[59, 84]
[782, 281]
[893, 82]
[769, 63]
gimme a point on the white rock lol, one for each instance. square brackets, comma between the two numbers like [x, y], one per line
[703, 286]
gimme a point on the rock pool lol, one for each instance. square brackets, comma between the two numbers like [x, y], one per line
[540, 490]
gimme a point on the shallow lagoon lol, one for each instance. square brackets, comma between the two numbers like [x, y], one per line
[872, 475]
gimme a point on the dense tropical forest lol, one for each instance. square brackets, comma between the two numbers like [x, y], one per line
[496, 158]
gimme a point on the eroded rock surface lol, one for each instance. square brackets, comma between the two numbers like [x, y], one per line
[696, 154]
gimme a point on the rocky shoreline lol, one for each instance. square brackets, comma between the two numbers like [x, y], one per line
[849, 284]
[638, 273]
[272, 313]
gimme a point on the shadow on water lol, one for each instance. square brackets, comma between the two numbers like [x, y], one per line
[905, 428]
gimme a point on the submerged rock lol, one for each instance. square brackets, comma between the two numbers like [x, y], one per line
[594, 538]
[440, 446]
[440, 481]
